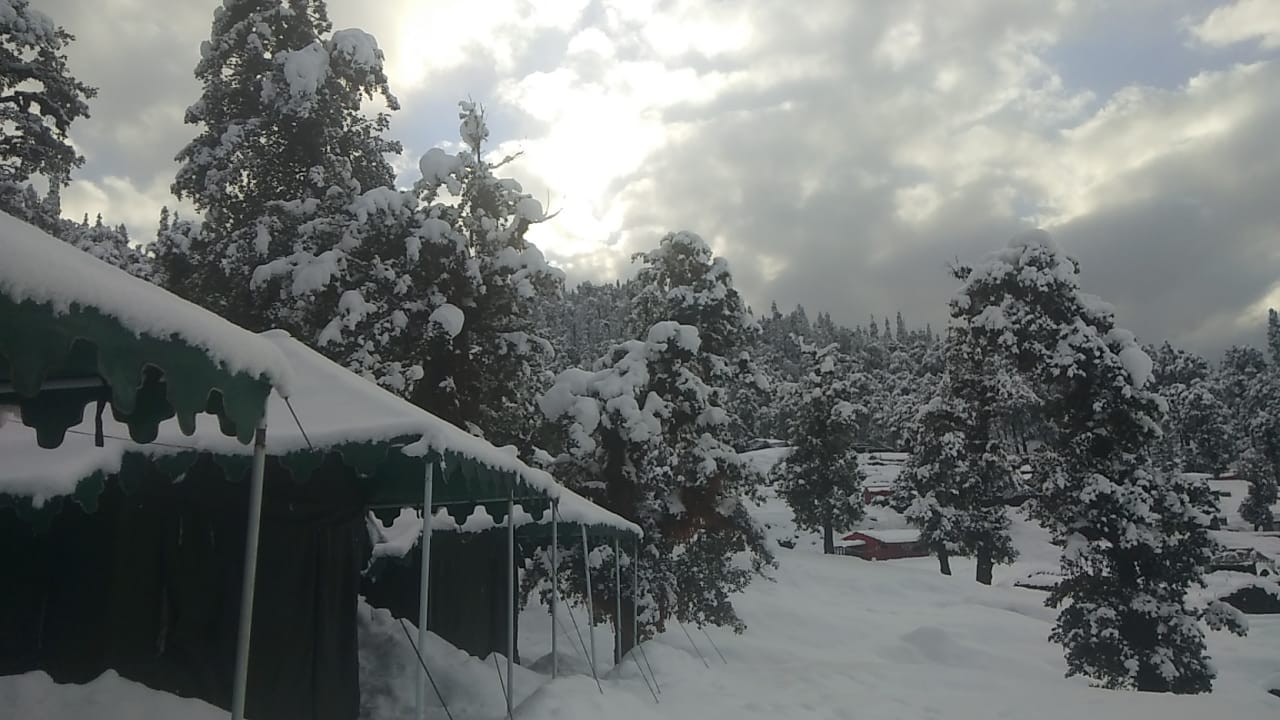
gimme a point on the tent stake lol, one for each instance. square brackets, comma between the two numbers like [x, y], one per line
[511, 600]
[555, 585]
[241, 681]
[424, 584]
[591, 612]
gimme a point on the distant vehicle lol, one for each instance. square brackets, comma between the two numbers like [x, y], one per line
[1245, 560]
[765, 444]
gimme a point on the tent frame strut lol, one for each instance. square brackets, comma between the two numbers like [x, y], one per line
[424, 586]
[511, 601]
[241, 679]
[555, 586]
[591, 612]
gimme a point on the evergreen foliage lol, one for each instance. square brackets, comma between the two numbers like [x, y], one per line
[959, 477]
[643, 435]
[283, 150]
[39, 100]
[1135, 538]
[820, 479]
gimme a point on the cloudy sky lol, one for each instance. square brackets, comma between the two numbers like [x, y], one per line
[840, 153]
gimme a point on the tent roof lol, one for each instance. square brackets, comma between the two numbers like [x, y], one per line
[76, 330]
[387, 439]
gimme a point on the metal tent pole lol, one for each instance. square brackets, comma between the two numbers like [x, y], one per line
[635, 616]
[591, 613]
[617, 601]
[424, 585]
[241, 681]
[635, 596]
[555, 585]
[511, 600]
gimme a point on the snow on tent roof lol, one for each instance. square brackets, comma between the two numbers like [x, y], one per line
[337, 411]
[887, 536]
[67, 316]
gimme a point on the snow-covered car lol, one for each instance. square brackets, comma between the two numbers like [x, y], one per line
[1246, 560]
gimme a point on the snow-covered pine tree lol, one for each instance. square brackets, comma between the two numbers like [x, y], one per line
[1273, 335]
[1264, 490]
[494, 370]
[643, 435]
[820, 480]
[1260, 464]
[170, 252]
[283, 148]
[1135, 539]
[1197, 430]
[960, 475]
[39, 100]
[109, 244]
[1236, 379]
[25, 203]
[681, 280]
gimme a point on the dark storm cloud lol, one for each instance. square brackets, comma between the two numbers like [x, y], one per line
[806, 186]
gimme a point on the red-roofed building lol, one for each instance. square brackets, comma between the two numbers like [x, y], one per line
[883, 544]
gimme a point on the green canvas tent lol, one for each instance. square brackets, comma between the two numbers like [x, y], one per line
[339, 445]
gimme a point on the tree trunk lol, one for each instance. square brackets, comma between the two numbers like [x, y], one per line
[985, 565]
[944, 562]
[828, 539]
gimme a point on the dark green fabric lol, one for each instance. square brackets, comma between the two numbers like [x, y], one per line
[147, 379]
[149, 585]
[468, 603]
[391, 480]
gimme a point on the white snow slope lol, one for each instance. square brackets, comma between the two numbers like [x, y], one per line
[838, 637]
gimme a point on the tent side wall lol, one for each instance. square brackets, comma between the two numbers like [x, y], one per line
[149, 583]
[467, 604]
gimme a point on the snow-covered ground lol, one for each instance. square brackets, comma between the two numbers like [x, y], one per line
[829, 637]
[839, 637]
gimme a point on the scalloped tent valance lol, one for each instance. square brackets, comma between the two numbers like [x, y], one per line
[76, 331]
[55, 364]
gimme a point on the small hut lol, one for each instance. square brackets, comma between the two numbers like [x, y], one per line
[883, 544]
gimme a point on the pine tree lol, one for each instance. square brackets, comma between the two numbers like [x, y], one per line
[1135, 538]
[901, 326]
[25, 203]
[1260, 465]
[1273, 335]
[644, 436]
[39, 100]
[283, 148]
[1236, 383]
[959, 476]
[490, 372]
[1197, 431]
[1260, 472]
[109, 244]
[681, 280]
[171, 259]
[820, 480]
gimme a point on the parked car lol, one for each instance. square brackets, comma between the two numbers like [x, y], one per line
[1246, 560]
